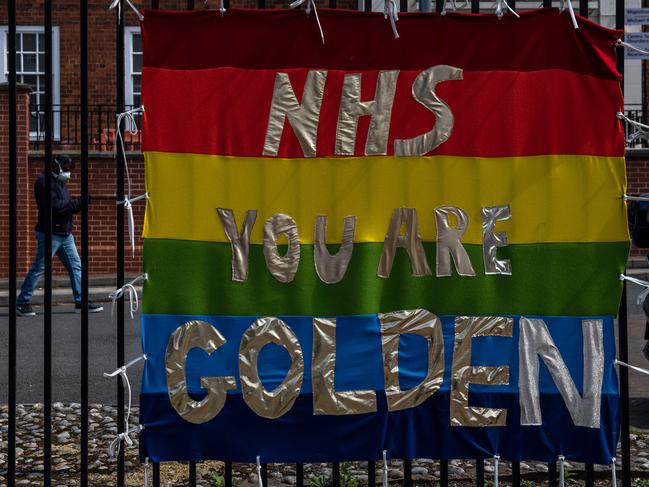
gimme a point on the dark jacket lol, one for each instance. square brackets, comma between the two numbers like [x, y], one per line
[63, 206]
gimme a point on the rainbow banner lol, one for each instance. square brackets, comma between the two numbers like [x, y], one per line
[374, 244]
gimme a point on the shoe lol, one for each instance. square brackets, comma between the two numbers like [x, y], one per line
[25, 310]
[92, 307]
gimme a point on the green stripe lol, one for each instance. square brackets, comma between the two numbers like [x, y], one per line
[188, 277]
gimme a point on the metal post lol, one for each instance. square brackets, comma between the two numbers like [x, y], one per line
[83, 93]
[13, 187]
[335, 474]
[299, 475]
[407, 473]
[119, 97]
[479, 473]
[623, 353]
[443, 473]
[371, 473]
[47, 321]
[516, 474]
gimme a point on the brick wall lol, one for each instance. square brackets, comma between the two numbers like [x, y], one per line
[23, 178]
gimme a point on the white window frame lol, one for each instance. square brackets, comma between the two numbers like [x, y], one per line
[56, 81]
[128, 62]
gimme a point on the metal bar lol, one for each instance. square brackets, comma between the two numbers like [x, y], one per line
[367, 5]
[335, 474]
[623, 337]
[516, 474]
[623, 353]
[261, 3]
[590, 475]
[479, 473]
[13, 244]
[371, 473]
[547, 3]
[443, 473]
[407, 473]
[83, 93]
[119, 98]
[47, 321]
[583, 8]
[552, 474]
[332, 4]
[192, 465]
[264, 474]
[475, 6]
[228, 474]
[156, 475]
[299, 475]
[439, 5]
[403, 5]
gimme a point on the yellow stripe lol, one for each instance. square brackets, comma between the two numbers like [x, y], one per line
[552, 198]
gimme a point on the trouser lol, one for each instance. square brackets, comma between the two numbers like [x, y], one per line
[66, 250]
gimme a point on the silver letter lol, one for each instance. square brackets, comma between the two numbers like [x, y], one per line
[195, 334]
[448, 242]
[535, 339]
[423, 90]
[303, 118]
[331, 268]
[464, 373]
[240, 243]
[410, 241]
[417, 322]
[325, 398]
[351, 108]
[276, 403]
[282, 268]
[492, 240]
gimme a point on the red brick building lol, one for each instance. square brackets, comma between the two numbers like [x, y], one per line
[102, 81]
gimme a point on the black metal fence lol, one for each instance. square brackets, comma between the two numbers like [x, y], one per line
[86, 128]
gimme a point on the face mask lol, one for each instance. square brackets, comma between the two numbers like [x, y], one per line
[64, 177]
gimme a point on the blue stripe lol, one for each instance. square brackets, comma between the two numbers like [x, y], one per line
[238, 434]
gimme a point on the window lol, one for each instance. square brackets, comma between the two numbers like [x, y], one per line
[133, 68]
[30, 70]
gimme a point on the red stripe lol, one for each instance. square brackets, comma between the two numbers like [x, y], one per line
[282, 38]
[497, 114]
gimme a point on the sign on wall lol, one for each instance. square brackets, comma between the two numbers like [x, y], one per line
[350, 249]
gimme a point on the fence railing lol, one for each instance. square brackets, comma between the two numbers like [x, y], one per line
[93, 127]
[102, 128]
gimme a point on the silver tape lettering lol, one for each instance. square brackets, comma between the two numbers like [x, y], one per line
[279, 401]
[464, 374]
[303, 117]
[352, 108]
[240, 242]
[325, 398]
[417, 322]
[536, 342]
[331, 268]
[411, 242]
[283, 268]
[491, 240]
[195, 334]
[423, 90]
[449, 244]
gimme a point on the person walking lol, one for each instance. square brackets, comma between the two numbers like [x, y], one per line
[63, 208]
